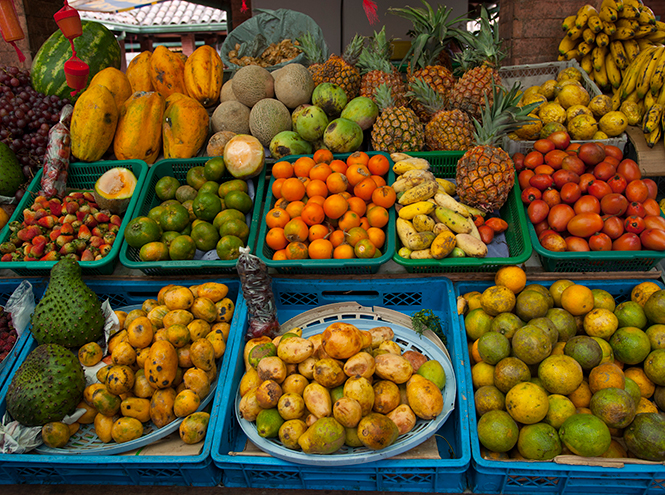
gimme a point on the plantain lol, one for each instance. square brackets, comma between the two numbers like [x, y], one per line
[610, 3]
[607, 14]
[568, 22]
[658, 76]
[657, 37]
[622, 34]
[586, 63]
[454, 221]
[594, 23]
[646, 16]
[653, 137]
[660, 25]
[627, 23]
[471, 246]
[583, 15]
[619, 55]
[629, 81]
[421, 192]
[589, 36]
[419, 208]
[652, 118]
[448, 187]
[609, 28]
[630, 12]
[409, 164]
[475, 211]
[661, 96]
[600, 76]
[649, 100]
[574, 33]
[598, 58]
[644, 31]
[566, 45]
[602, 40]
[417, 172]
[644, 75]
[573, 54]
[632, 49]
[584, 48]
[645, 43]
[616, 101]
[449, 202]
[613, 72]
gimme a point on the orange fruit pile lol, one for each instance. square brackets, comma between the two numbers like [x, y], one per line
[327, 208]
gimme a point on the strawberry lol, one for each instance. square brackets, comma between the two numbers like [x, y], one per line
[87, 255]
[96, 241]
[67, 229]
[29, 217]
[84, 233]
[116, 220]
[47, 222]
[102, 217]
[51, 256]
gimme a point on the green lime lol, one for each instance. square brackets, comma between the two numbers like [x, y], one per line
[232, 185]
[166, 188]
[493, 347]
[168, 236]
[154, 251]
[224, 216]
[156, 212]
[189, 206]
[195, 177]
[185, 192]
[214, 169]
[237, 228]
[209, 187]
[205, 236]
[586, 435]
[182, 247]
[228, 247]
[141, 231]
[170, 202]
[631, 345]
[187, 230]
[238, 200]
[630, 314]
[477, 323]
[206, 206]
[175, 217]
[539, 442]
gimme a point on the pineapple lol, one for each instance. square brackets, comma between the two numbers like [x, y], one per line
[312, 51]
[447, 130]
[486, 173]
[376, 69]
[397, 128]
[342, 70]
[480, 64]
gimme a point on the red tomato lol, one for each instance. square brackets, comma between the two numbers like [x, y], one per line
[573, 164]
[486, 234]
[533, 159]
[576, 244]
[544, 146]
[585, 224]
[546, 232]
[614, 152]
[523, 178]
[604, 171]
[618, 183]
[653, 239]
[543, 169]
[636, 209]
[652, 207]
[585, 180]
[654, 222]
[591, 153]
[559, 216]
[562, 177]
[555, 158]
[530, 194]
[541, 227]
[627, 242]
[587, 204]
[611, 160]
[518, 160]
[573, 148]
[613, 227]
[636, 190]
[553, 242]
[613, 204]
[570, 192]
[538, 211]
[629, 169]
[599, 188]
[600, 242]
[552, 197]
[634, 224]
[561, 139]
[541, 181]
[652, 187]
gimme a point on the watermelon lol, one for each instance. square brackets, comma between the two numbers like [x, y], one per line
[97, 47]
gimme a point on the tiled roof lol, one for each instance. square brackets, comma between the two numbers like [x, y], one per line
[170, 13]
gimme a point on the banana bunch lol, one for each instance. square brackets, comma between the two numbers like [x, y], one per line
[431, 224]
[606, 41]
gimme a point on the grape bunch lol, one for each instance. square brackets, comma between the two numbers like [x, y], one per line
[8, 334]
[26, 117]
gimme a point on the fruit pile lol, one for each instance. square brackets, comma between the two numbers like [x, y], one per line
[347, 387]
[581, 371]
[201, 215]
[8, 334]
[587, 197]
[326, 208]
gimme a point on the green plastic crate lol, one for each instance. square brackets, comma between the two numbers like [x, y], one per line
[330, 267]
[81, 176]
[444, 165]
[178, 168]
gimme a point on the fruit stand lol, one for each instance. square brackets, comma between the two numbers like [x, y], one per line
[433, 274]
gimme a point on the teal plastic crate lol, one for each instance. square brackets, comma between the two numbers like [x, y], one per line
[332, 266]
[446, 474]
[529, 477]
[165, 470]
[82, 176]
[443, 164]
[178, 168]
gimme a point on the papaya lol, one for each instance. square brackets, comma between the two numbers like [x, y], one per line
[193, 428]
[138, 72]
[94, 123]
[161, 367]
[204, 72]
[116, 82]
[185, 128]
[161, 407]
[167, 72]
[139, 132]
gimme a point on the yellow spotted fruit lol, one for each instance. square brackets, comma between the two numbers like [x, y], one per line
[138, 72]
[184, 128]
[94, 123]
[193, 428]
[139, 133]
[161, 367]
[116, 82]
[167, 72]
[204, 72]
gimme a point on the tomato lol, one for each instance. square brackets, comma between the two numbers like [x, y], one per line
[634, 224]
[629, 169]
[541, 227]
[533, 159]
[554, 242]
[546, 232]
[654, 222]
[573, 148]
[600, 242]
[613, 227]
[652, 187]
[541, 181]
[587, 204]
[591, 153]
[627, 242]
[614, 152]
[652, 207]
[530, 194]
[573, 164]
[585, 224]
[554, 158]
[614, 204]
[524, 177]
[543, 145]
[538, 211]
[636, 209]
[636, 190]
[518, 160]
[552, 197]
[612, 161]
[570, 192]
[562, 177]
[585, 180]
[561, 139]
[497, 224]
[617, 183]
[653, 239]
[599, 189]
[604, 171]
[559, 216]
[576, 244]
[544, 169]
[486, 234]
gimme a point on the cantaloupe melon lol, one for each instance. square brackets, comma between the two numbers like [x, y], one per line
[227, 93]
[217, 143]
[252, 84]
[244, 156]
[268, 118]
[114, 190]
[231, 116]
[293, 85]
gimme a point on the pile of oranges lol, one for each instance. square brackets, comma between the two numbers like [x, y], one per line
[326, 208]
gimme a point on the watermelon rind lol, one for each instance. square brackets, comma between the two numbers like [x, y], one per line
[97, 46]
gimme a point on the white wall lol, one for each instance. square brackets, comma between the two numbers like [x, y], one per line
[328, 15]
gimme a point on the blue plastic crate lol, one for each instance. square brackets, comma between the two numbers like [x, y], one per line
[195, 470]
[516, 477]
[294, 297]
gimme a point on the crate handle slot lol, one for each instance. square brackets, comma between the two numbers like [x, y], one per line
[345, 294]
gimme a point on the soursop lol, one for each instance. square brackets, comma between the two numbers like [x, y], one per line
[11, 174]
[47, 387]
[69, 314]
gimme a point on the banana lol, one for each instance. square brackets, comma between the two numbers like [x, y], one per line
[598, 57]
[574, 33]
[623, 34]
[573, 54]
[652, 118]
[627, 23]
[660, 25]
[449, 202]
[609, 28]
[454, 221]
[609, 3]
[643, 31]
[586, 63]
[653, 137]
[634, 98]
[568, 22]
[658, 76]
[561, 58]
[447, 186]
[644, 76]
[583, 15]
[649, 100]
[475, 211]
[396, 157]
[419, 208]
[600, 76]
[416, 172]
[635, 3]
[403, 184]
[584, 48]
[602, 40]
[630, 12]
[566, 45]
[616, 101]
[647, 16]
[613, 72]
[589, 36]
[607, 14]
[661, 96]
[403, 165]
[632, 49]
[657, 37]
[619, 55]
[594, 23]
[421, 192]
[630, 77]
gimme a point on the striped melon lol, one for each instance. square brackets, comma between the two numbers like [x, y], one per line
[97, 47]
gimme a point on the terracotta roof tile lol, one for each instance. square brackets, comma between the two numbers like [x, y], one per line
[174, 12]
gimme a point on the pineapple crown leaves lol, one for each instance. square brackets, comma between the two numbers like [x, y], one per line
[484, 46]
[312, 51]
[353, 50]
[384, 97]
[432, 100]
[376, 55]
[503, 116]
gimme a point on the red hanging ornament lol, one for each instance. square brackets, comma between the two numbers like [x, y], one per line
[244, 7]
[76, 70]
[370, 11]
[10, 27]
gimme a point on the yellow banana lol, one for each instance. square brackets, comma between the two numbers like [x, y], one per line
[594, 23]
[629, 81]
[643, 31]
[561, 58]
[591, 77]
[574, 33]
[657, 37]
[634, 98]
[646, 16]
[573, 54]
[587, 10]
[598, 58]
[587, 64]
[644, 75]
[645, 43]
[661, 96]
[600, 76]
[623, 34]
[568, 22]
[658, 76]
[613, 72]
[584, 48]
[619, 55]
[602, 40]
[632, 49]
[566, 45]
[635, 3]
[627, 23]
[653, 137]
[619, 5]
[607, 14]
[630, 12]
[616, 101]
[649, 100]
[589, 36]
[640, 108]
[609, 3]
[660, 25]
[609, 28]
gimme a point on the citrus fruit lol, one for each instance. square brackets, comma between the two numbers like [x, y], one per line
[473, 299]
[142, 230]
[182, 247]
[608, 353]
[585, 435]
[630, 314]
[585, 350]
[224, 216]
[577, 300]
[214, 169]
[506, 324]
[509, 372]
[238, 200]
[615, 451]
[547, 326]
[489, 398]
[209, 187]
[364, 249]
[557, 349]
[603, 299]
[654, 308]
[196, 177]
[497, 431]
[477, 323]
[560, 374]
[634, 390]
[630, 345]
[235, 227]
[531, 344]
[656, 334]
[543, 290]
[482, 374]
[166, 188]
[531, 304]
[642, 292]
[168, 236]
[512, 277]
[205, 236]
[156, 212]
[206, 206]
[493, 347]
[654, 367]
[581, 397]
[228, 247]
[527, 403]
[561, 408]
[188, 205]
[600, 322]
[174, 217]
[659, 398]
[497, 299]
[232, 185]
[606, 375]
[185, 193]
[557, 288]
[564, 323]
[539, 442]
[434, 372]
[493, 456]
[154, 251]
[614, 406]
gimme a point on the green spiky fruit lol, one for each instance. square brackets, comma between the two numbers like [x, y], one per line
[48, 386]
[69, 314]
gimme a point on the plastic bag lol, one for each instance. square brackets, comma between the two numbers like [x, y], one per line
[271, 26]
[257, 290]
[56, 158]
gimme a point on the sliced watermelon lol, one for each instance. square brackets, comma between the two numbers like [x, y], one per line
[97, 47]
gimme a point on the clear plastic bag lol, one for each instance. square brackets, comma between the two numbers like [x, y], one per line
[257, 290]
[56, 158]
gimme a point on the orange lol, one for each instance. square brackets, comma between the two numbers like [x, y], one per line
[296, 251]
[356, 173]
[335, 206]
[378, 217]
[512, 277]
[378, 165]
[281, 203]
[357, 157]
[312, 214]
[378, 180]
[320, 171]
[606, 375]
[364, 223]
[343, 252]
[377, 236]
[337, 237]
[577, 300]
[364, 249]
[323, 156]
[318, 231]
[296, 230]
[319, 200]
[302, 166]
[293, 189]
[279, 255]
[277, 217]
[642, 292]
[346, 195]
[646, 386]
[581, 397]
[384, 196]
[320, 249]
[474, 352]
[356, 234]
[357, 205]
[337, 182]
[338, 166]
[282, 170]
[364, 189]
[277, 188]
[295, 208]
[317, 187]
[275, 238]
[349, 220]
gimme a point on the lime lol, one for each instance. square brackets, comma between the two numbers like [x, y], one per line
[206, 206]
[224, 216]
[493, 347]
[182, 247]
[195, 177]
[154, 251]
[205, 236]
[586, 435]
[228, 247]
[166, 188]
[141, 231]
[174, 217]
[168, 236]
[539, 442]
[232, 185]
[156, 212]
[630, 314]
[184, 193]
[237, 228]
[209, 187]
[630, 345]
[214, 169]
[238, 200]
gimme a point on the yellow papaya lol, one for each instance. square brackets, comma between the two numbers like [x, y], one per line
[185, 128]
[138, 72]
[167, 72]
[204, 72]
[139, 133]
[94, 123]
[116, 82]
[161, 367]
